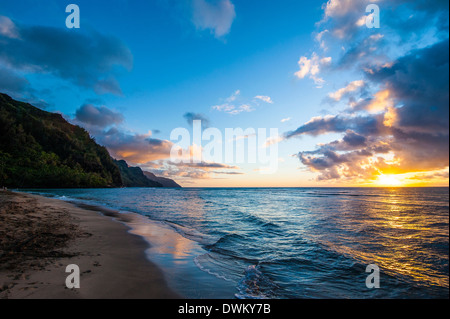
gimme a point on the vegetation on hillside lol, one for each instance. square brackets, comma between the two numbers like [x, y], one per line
[39, 149]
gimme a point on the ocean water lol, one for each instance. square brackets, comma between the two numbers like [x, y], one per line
[290, 242]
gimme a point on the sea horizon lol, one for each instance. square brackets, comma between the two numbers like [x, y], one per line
[237, 187]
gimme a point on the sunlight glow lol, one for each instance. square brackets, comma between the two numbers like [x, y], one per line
[389, 180]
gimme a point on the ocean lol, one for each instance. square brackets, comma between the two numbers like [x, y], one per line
[289, 243]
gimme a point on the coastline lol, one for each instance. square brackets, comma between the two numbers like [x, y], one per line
[51, 234]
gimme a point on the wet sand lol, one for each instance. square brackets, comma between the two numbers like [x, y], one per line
[40, 236]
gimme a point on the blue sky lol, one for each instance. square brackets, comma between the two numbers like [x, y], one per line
[145, 64]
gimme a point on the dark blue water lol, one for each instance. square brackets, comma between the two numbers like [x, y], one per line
[304, 242]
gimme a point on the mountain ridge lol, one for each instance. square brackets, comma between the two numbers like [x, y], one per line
[166, 182]
[40, 149]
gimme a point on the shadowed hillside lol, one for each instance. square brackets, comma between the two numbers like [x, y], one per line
[166, 182]
[134, 177]
[39, 149]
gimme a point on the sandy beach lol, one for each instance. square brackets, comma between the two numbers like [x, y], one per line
[40, 236]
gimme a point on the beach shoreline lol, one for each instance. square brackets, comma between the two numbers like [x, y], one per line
[41, 236]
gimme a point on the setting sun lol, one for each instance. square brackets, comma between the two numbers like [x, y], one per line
[389, 180]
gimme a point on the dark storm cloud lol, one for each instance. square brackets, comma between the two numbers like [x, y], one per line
[155, 142]
[412, 18]
[99, 116]
[413, 126]
[190, 117]
[419, 81]
[363, 52]
[404, 25]
[408, 19]
[11, 82]
[421, 151]
[338, 124]
[354, 139]
[87, 59]
[18, 87]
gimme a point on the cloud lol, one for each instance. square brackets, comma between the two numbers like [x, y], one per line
[351, 87]
[108, 85]
[379, 101]
[87, 59]
[99, 116]
[133, 147]
[320, 38]
[419, 82]
[227, 108]
[191, 171]
[137, 149]
[273, 140]
[190, 117]
[232, 109]
[311, 67]
[362, 124]
[405, 25]
[12, 83]
[214, 15]
[264, 98]
[235, 104]
[402, 129]
[229, 173]
[420, 16]
[443, 174]
[234, 96]
[397, 120]
[210, 166]
[372, 50]
[8, 28]
[286, 120]
[353, 139]
[18, 87]
[343, 17]
[339, 8]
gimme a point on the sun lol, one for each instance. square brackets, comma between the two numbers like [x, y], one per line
[389, 180]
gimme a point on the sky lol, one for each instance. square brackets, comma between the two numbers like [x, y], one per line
[352, 105]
